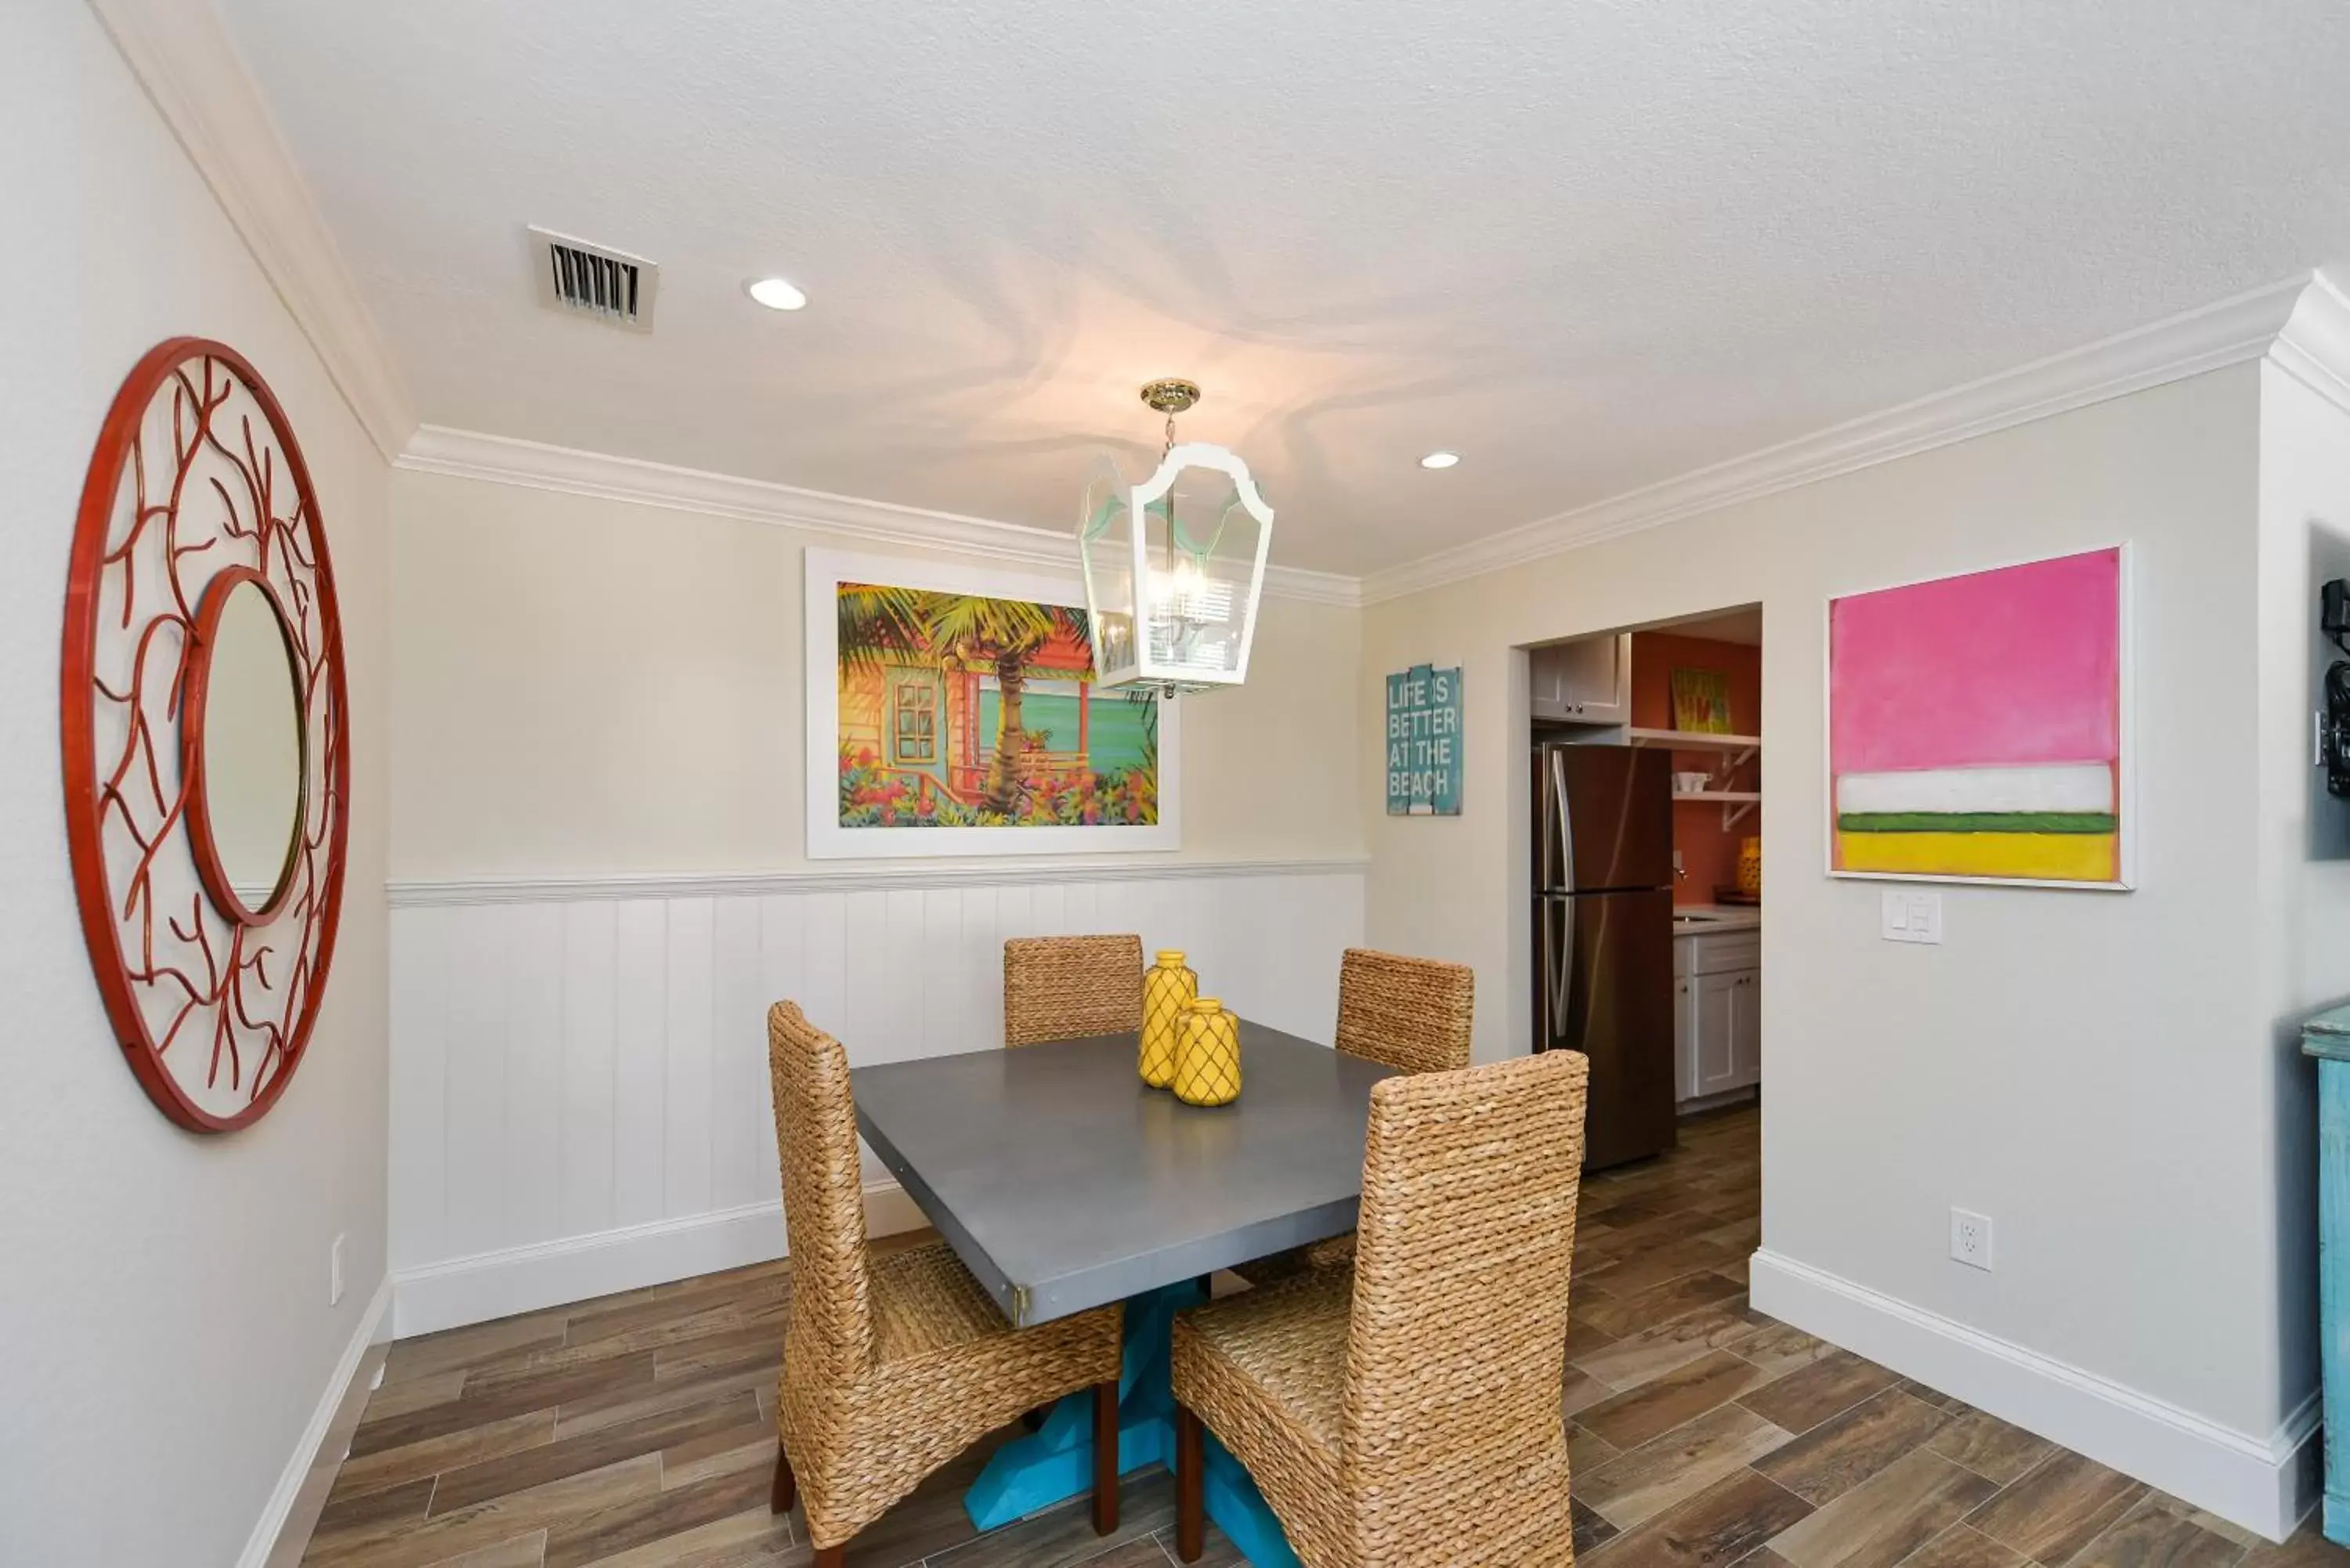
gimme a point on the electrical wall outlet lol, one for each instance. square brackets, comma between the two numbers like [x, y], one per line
[1971, 1238]
[1911, 917]
[335, 1271]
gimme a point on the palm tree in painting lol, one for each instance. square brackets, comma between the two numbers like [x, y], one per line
[878, 621]
[965, 630]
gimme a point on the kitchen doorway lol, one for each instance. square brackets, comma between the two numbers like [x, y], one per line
[1643, 842]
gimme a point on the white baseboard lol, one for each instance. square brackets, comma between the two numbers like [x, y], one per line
[2266, 1484]
[290, 1481]
[549, 1273]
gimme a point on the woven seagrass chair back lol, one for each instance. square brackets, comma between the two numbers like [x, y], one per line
[1410, 1013]
[830, 1334]
[1063, 987]
[1457, 1338]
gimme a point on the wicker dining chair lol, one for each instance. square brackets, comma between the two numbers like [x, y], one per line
[1406, 1414]
[1410, 1013]
[1063, 987]
[895, 1364]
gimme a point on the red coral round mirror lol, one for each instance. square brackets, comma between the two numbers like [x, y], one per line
[206, 745]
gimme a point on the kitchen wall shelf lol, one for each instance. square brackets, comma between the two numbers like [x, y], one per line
[1692, 739]
[1735, 802]
[1737, 751]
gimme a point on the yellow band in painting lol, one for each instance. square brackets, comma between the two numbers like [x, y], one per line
[2046, 856]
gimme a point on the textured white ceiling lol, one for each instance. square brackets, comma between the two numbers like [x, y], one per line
[1590, 246]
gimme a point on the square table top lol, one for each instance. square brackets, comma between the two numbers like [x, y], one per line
[1063, 1182]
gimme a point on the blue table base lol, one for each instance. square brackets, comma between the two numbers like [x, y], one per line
[1056, 1462]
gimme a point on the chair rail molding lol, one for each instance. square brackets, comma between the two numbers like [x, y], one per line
[182, 55]
[579, 1076]
[423, 891]
[2302, 324]
[470, 454]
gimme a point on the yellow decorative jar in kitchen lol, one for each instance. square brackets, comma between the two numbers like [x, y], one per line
[1208, 1060]
[1167, 987]
[1750, 868]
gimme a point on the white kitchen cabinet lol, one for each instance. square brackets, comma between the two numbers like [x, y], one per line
[1717, 1014]
[1684, 1040]
[1715, 1007]
[1587, 682]
[1746, 1030]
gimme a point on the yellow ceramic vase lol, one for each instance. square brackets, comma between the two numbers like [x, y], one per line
[1750, 868]
[1208, 1060]
[1166, 988]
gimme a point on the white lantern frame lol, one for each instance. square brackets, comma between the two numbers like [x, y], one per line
[1147, 670]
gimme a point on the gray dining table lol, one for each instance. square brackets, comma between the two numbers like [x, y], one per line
[1063, 1182]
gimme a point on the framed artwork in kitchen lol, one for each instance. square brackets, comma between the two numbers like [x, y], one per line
[1979, 726]
[953, 710]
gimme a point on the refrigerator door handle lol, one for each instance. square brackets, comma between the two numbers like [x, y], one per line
[1565, 825]
[1549, 830]
[1558, 960]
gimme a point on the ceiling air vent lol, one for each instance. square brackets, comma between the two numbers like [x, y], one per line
[610, 286]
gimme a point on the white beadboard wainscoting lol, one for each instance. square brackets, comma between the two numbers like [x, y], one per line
[580, 1098]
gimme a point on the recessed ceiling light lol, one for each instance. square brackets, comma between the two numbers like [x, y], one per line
[775, 294]
[1439, 459]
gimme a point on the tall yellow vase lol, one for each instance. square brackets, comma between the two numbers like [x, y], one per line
[1208, 1061]
[1166, 988]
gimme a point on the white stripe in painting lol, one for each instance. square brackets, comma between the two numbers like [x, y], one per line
[2065, 786]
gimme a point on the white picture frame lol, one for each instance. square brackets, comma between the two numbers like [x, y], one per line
[825, 570]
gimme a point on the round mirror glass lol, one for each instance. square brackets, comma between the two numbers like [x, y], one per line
[252, 756]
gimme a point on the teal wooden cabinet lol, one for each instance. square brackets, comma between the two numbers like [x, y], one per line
[2327, 1038]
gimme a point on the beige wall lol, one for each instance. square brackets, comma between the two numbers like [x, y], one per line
[587, 687]
[2097, 1072]
[163, 1295]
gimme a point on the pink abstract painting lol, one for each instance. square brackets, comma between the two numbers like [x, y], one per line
[1975, 725]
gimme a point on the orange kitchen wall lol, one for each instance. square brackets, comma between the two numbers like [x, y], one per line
[1709, 855]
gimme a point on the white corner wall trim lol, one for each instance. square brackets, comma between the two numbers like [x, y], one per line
[2302, 321]
[183, 57]
[2265, 1483]
[423, 892]
[468, 454]
[265, 1530]
[2314, 345]
[578, 1268]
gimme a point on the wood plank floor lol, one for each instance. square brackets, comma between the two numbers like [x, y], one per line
[638, 1431]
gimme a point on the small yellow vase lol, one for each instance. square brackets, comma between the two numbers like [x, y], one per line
[1166, 988]
[1208, 1061]
[1750, 868]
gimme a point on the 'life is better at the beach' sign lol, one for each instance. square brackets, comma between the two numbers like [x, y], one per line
[1424, 742]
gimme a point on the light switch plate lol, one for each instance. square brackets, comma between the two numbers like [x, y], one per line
[1910, 916]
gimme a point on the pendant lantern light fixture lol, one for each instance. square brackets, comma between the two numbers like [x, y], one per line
[1174, 565]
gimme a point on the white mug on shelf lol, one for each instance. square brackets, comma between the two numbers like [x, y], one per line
[1690, 783]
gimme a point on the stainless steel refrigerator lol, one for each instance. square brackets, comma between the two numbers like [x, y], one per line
[1603, 929]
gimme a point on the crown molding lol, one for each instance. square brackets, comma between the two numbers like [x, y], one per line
[2313, 347]
[184, 58]
[469, 454]
[2303, 322]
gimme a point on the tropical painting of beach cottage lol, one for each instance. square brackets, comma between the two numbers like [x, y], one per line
[959, 710]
